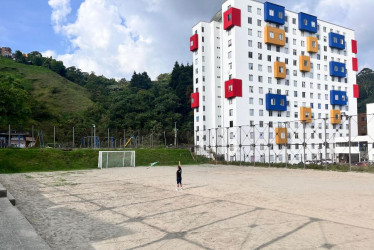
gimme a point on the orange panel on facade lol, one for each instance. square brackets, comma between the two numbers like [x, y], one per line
[274, 36]
[281, 136]
[312, 44]
[280, 70]
[335, 116]
[304, 63]
[306, 115]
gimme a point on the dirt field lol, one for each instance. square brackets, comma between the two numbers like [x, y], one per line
[225, 207]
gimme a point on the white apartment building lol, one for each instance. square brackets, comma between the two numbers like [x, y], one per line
[272, 85]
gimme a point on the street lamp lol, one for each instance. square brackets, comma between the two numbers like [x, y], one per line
[94, 128]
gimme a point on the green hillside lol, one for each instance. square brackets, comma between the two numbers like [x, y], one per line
[57, 94]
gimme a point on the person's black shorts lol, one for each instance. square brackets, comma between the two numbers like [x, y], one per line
[179, 180]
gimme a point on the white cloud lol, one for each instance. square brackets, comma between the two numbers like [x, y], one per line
[116, 37]
[60, 10]
[49, 53]
[105, 42]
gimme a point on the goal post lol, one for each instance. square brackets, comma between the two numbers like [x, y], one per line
[115, 159]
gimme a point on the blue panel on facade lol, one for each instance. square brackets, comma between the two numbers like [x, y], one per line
[274, 13]
[276, 102]
[307, 22]
[338, 69]
[338, 97]
[336, 41]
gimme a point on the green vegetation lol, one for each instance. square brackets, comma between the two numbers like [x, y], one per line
[365, 80]
[41, 160]
[40, 91]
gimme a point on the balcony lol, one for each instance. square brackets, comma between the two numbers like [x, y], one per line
[233, 88]
[281, 137]
[338, 69]
[338, 97]
[231, 18]
[195, 102]
[306, 115]
[194, 42]
[274, 36]
[312, 44]
[280, 70]
[304, 63]
[336, 41]
[307, 22]
[335, 116]
[274, 13]
[276, 102]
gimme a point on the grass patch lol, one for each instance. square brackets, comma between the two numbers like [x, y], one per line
[43, 160]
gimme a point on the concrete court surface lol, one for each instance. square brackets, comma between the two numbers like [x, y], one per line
[221, 207]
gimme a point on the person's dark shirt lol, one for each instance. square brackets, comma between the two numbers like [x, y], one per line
[179, 174]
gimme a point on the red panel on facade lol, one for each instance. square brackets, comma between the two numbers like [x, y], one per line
[356, 91]
[233, 88]
[355, 64]
[195, 103]
[354, 46]
[194, 42]
[231, 18]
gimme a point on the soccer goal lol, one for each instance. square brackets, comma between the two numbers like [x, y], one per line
[115, 159]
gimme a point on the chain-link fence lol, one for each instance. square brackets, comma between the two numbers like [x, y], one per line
[17, 136]
[332, 140]
[322, 141]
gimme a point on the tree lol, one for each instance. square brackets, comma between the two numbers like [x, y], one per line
[140, 81]
[58, 67]
[19, 57]
[36, 58]
[14, 105]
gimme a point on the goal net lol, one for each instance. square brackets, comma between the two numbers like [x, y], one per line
[114, 159]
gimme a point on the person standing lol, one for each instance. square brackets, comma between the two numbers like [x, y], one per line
[179, 177]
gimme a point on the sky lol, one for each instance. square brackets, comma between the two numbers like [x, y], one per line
[114, 38]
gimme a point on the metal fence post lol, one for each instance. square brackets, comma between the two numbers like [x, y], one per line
[216, 144]
[350, 143]
[325, 143]
[285, 126]
[73, 138]
[240, 144]
[54, 136]
[9, 139]
[304, 125]
[228, 145]
[254, 146]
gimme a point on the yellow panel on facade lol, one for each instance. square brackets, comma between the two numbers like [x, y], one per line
[304, 63]
[306, 115]
[335, 116]
[275, 36]
[280, 70]
[312, 44]
[281, 136]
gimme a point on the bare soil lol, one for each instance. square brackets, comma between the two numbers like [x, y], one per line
[220, 207]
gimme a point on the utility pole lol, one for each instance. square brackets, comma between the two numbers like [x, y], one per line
[108, 139]
[124, 137]
[165, 138]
